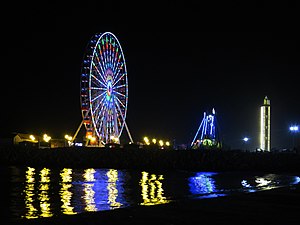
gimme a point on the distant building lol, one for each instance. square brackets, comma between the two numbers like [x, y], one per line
[265, 125]
[25, 140]
[58, 143]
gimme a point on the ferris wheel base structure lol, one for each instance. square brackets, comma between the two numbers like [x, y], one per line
[103, 91]
[88, 144]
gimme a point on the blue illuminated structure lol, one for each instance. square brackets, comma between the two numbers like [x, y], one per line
[207, 136]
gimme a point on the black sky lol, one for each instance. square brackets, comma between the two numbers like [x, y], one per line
[174, 74]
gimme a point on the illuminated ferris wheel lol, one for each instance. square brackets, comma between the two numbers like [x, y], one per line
[104, 89]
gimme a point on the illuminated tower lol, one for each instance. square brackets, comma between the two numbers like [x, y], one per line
[265, 125]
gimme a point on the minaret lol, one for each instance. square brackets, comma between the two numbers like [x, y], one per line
[265, 125]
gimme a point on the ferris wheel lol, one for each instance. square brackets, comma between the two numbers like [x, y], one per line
[104, 89]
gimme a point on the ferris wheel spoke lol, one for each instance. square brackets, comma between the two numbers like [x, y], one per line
[106, 56]
[98, 96]
[96, 115]
[102, 57]
[121, 113]
[120, 86]
[100, 126]
[120, 94]
[118, 70]
[98, 60]
[116, 57]
[118, 60]
[98, 88]
[99, 81]
[113, 55]
[100, 64]
[119, 101]
[121, 77]
[107, 52]
[110, 51]
[101, 111]
[115, 121]
[101, 115]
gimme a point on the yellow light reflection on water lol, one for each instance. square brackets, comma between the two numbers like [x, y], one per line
[65, 194]
[44, 193]
[112, 188]
[152, 191]
[31, 212]
[89, 193]
[44, 174]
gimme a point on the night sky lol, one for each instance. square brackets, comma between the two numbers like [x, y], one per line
[174, 75]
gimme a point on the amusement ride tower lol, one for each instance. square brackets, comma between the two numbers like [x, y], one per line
[265, 125]
[103, 91]
[207, 135]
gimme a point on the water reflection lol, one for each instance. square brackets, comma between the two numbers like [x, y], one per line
[113, 189]
[152, 191]
[44, 198]
[37, 200]
[202, 183]
[46, 192]
[267, 182]
[30, 194]
[65, 193]
[89, 193]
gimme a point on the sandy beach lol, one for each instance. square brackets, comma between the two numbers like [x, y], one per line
[276, 206]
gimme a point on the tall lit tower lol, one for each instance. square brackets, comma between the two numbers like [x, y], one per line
[265, 125]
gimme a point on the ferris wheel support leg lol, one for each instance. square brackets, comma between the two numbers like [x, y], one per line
[128, 132]
[77, 131]
[74, 137]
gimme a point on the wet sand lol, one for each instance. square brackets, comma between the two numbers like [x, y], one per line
[276, 206]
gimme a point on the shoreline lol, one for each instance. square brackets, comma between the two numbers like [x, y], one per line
[167, 159]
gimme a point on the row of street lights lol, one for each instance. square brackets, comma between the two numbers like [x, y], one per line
[154, 141]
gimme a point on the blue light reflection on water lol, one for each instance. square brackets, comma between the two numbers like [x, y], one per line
[45, 192]
[202, 183]
[97, 190]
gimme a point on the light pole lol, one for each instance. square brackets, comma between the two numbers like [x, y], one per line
[294, 129]
[245, 139]
[68, 139]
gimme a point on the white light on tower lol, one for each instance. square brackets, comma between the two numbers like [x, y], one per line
[265, 125]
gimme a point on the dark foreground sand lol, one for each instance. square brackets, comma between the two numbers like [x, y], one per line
[277, 206]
